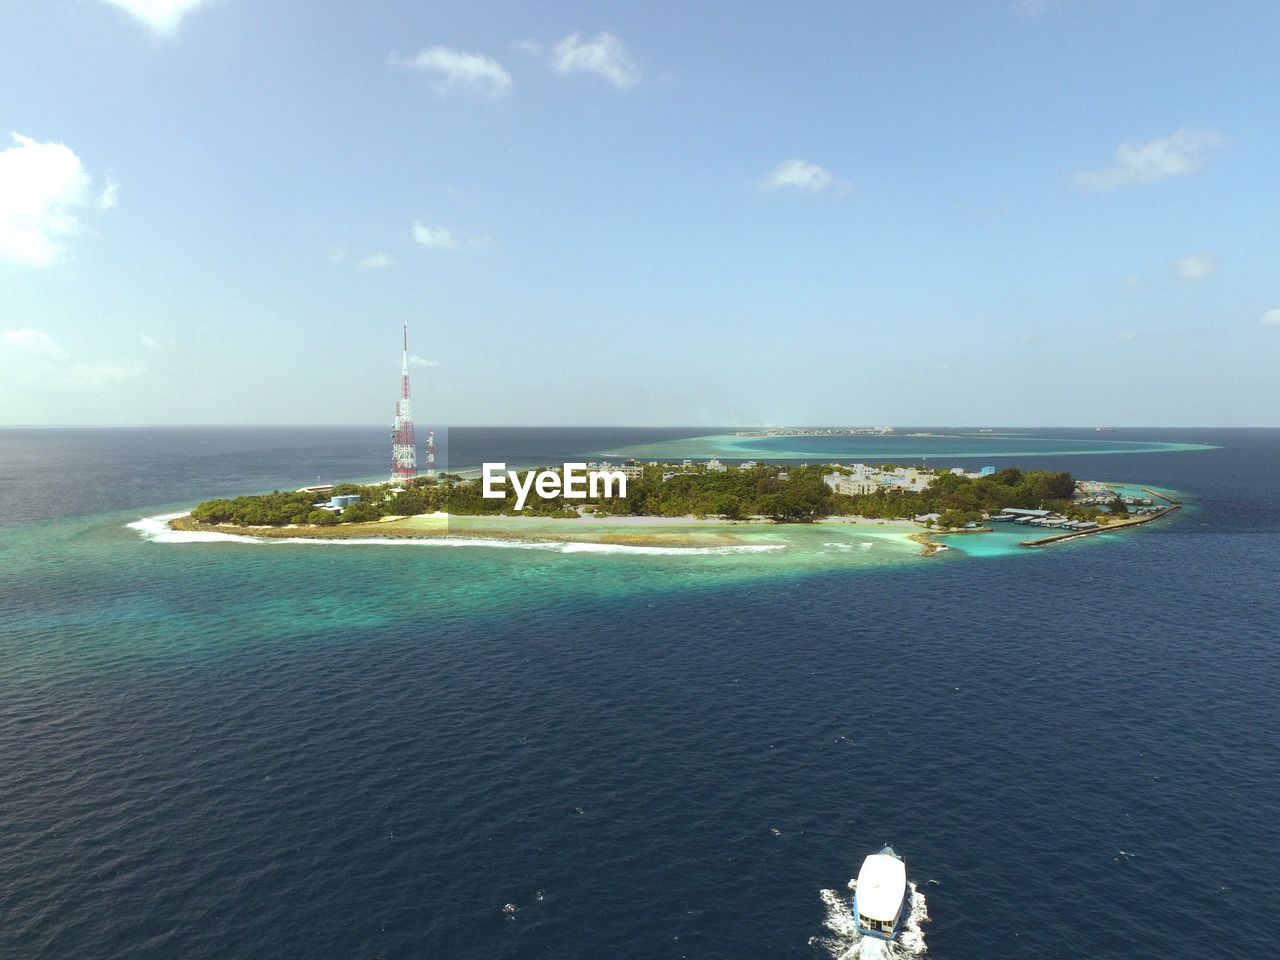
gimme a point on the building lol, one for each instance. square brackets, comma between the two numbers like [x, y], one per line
[850, 486]
[984, 472]
[339, 503]
[909, 478]
[861, 478]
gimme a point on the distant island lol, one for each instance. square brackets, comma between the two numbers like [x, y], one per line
[816, 432]
[936, 501]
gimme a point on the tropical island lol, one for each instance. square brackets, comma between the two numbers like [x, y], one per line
[660, 495]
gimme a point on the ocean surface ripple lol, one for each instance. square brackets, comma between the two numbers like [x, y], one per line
[236, 751]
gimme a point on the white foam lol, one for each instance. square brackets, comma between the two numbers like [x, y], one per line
[156, 530]
[850, 547]
[668, 551]
[843, 942]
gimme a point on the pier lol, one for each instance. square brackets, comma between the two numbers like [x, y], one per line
[1160, 496]
[1045, 541]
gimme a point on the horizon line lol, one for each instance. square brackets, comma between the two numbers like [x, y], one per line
[623, 426]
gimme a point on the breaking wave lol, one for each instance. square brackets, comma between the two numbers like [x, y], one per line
[850, 547]
[673, 551]
[156, 530]
[843, 942]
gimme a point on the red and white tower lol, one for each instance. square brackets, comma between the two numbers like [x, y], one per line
[404, 458]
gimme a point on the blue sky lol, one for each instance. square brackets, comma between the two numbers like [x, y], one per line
[1060, 212]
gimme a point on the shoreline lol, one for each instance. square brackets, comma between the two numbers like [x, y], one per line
[667, 532]
[642, 533]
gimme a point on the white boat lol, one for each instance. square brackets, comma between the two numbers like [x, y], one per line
[881, 899]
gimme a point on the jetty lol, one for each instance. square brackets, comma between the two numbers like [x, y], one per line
[1133, 522]
[1160, 496]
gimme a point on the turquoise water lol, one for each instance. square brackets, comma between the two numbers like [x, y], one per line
[336, 586]
[974, 447]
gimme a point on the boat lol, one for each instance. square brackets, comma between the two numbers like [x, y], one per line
[881, 899]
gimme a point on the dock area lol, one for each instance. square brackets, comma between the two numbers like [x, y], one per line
[1160, 496]
[1057, 538]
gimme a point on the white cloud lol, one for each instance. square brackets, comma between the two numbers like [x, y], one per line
[159, 16]
[376, 261]
[1271, 318]
[605, 56]
[456, 69]
[418, 361]
[1127, 335]
[30, 344]
[110, 197]
[336, 254]
[42, 188]
[1196, 266]
[1176, 155]
[149, 342]
[439, 237]
[798, 173]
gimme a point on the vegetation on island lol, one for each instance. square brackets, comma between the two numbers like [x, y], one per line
[781, 493]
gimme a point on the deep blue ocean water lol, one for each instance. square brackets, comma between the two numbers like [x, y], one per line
[228, 750]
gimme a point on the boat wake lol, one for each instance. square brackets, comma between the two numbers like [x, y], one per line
[157, 530]
[843, 942]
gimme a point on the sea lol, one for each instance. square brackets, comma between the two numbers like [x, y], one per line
[247, 750]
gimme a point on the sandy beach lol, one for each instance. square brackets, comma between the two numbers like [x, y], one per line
[692, 532]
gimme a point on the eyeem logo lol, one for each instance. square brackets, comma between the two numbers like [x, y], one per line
[573, 482]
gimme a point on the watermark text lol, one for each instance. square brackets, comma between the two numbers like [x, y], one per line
[572, 482]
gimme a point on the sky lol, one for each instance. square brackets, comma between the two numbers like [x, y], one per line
[998, 212]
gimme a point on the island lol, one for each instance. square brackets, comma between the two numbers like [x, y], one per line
[690, 504]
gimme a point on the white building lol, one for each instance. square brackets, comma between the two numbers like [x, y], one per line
[850, 486]
[862, 478]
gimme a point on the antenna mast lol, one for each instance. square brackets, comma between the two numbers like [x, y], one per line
[404, 458]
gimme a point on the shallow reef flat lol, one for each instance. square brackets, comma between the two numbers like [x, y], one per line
[835, 542]
[903, 446]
